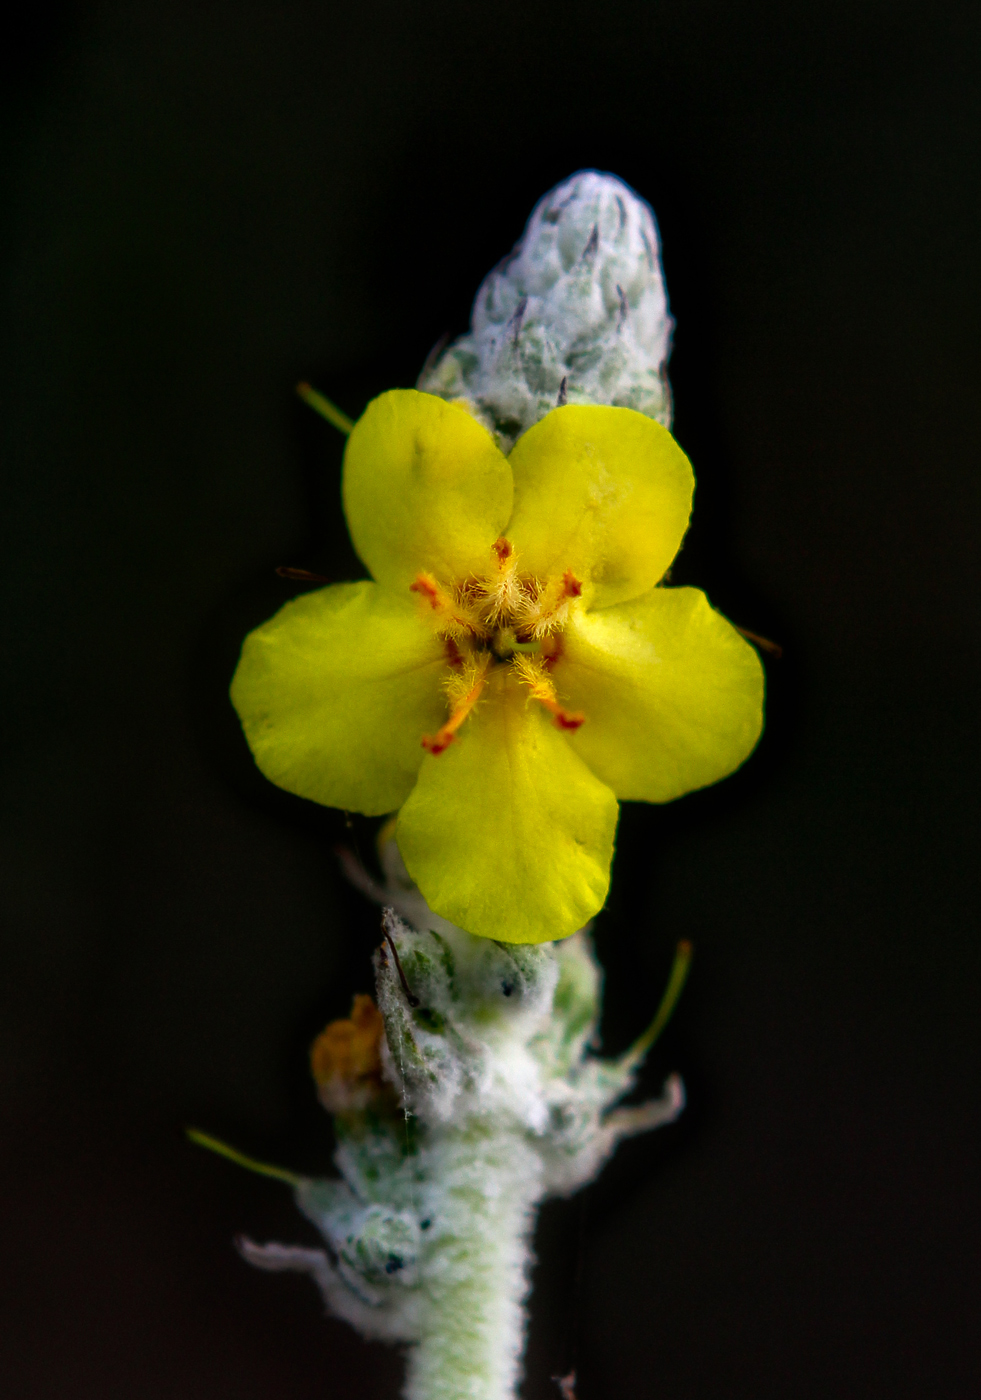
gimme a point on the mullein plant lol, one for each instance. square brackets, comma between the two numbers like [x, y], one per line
[514, 667]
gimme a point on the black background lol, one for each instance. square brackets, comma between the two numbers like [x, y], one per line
[204, 203]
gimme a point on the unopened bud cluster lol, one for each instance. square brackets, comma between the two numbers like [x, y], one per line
[577, 313]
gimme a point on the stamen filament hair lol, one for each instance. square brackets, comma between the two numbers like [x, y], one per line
[531, 671]
[464, 691]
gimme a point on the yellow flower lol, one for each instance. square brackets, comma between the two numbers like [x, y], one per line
[513, 668]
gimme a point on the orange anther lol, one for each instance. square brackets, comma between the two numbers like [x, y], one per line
[503, 549]
[564, 719]
[571, 587]
[427, 587]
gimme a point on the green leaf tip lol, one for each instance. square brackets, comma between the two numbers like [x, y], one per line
[322, 405]
[672, 993]
[250, 1164]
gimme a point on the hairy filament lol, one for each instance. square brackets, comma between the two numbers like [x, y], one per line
[463, 689]
[453, 619]
[504, 593]
[531, 671]
[551, 609]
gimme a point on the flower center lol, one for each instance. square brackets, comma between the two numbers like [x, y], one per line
[503, 617]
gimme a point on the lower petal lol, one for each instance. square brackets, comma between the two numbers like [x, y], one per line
[507, 833]
[335, 692]
[672, 694]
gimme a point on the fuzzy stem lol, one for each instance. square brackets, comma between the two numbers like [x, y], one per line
[428, 1227]
[475, 1274]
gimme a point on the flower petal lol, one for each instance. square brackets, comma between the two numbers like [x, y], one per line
[425, 488]
[605, 492]
[672, 694]
[507, 833]
[335, 692]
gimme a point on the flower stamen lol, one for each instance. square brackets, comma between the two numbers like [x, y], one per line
[551, 609]
[504, 594]
[463, 690]
[531, 671]
[453, 620]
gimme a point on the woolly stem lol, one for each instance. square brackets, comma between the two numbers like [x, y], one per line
[487, 1047]
[474, 1273]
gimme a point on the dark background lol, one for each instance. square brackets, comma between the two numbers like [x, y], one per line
[204, 203]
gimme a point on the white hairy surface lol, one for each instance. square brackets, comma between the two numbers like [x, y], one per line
[578, 312]
[490, 1048]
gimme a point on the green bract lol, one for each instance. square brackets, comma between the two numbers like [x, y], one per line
[514, 667]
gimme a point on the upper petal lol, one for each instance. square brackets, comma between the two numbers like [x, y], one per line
[507, 833]
[605, 492]
[425, 487]
[672, 694]
[335, 692]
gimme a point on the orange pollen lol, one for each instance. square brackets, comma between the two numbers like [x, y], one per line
[444, 736]
[503, 549]
[571, 587]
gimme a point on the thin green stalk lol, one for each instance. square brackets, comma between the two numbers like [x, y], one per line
[250, 1164]
[322, 405]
